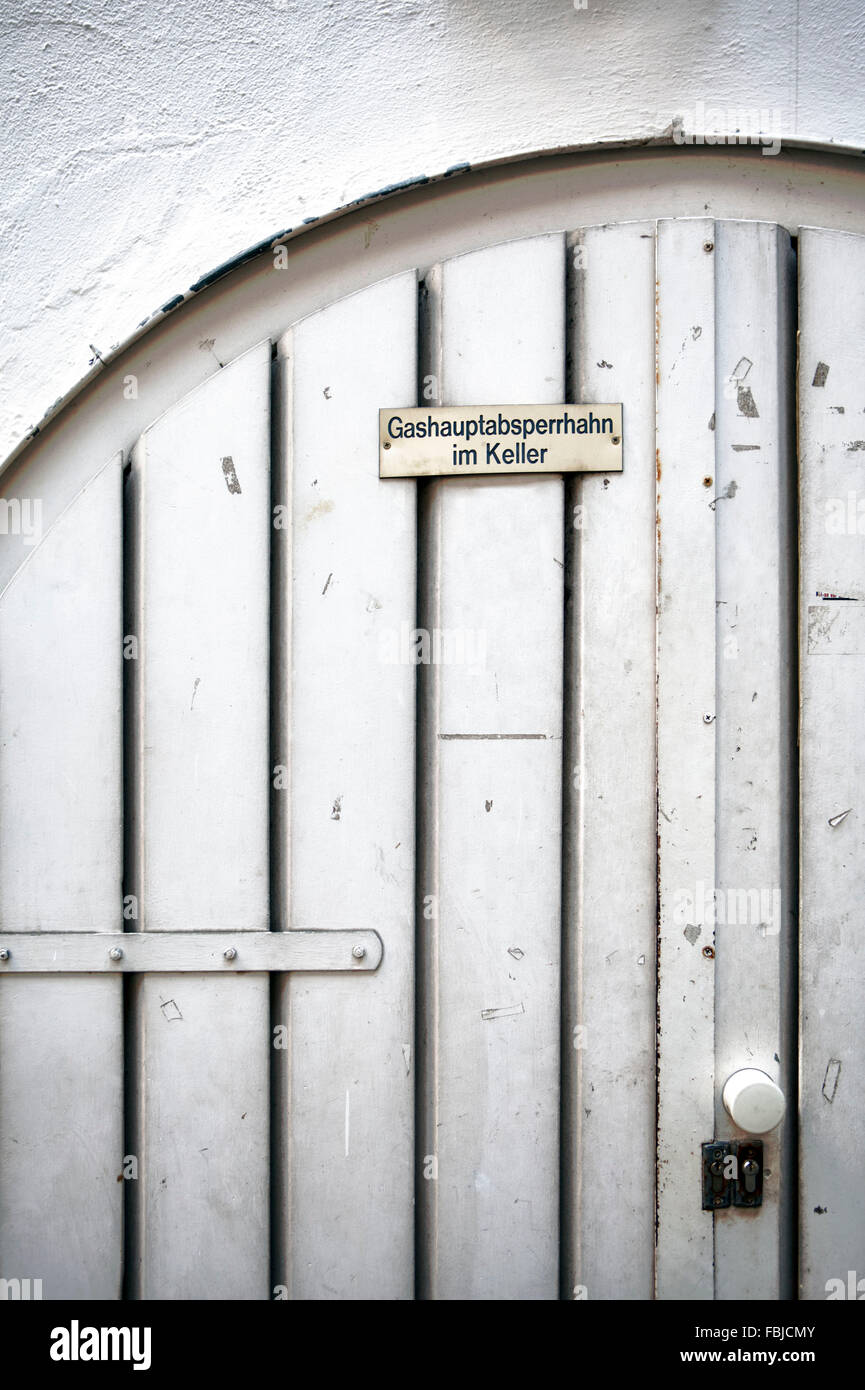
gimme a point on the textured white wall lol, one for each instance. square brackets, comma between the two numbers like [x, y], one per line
[145, 143]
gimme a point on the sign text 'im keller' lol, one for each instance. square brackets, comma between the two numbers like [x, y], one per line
[478, 440]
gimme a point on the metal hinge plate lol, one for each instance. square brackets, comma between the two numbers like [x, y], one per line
[86, 953]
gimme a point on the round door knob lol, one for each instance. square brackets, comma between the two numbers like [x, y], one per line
[753, 1101]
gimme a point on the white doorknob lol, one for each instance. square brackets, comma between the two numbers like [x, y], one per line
[753, 1101]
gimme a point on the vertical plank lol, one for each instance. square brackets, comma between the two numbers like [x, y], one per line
[755, 909]
[832, 760]
[490, 797]
[686, 746]
[610, 805]
[199, 509]
[61, 1124]
[347, 820]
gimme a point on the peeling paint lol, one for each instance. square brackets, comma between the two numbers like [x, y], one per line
[231, 480]
[320, 509]
[820, 374]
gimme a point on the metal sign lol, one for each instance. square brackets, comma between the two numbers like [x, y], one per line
[479, 440]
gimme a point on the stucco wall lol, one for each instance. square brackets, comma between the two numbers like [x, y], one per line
[145, 143]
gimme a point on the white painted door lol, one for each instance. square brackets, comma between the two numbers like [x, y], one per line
[450, 826]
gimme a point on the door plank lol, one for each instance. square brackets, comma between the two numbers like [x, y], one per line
[61, 1067]
[755, 502]
[610, 805]
[199, 510]
[489, 887]
[345, 1229]
[686, 746]
[832, 759]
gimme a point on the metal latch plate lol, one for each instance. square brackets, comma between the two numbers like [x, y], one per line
[732, 1173]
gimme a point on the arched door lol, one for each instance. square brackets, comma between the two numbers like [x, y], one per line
[445, 829]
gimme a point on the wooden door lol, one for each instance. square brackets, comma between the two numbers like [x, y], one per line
[450, 825]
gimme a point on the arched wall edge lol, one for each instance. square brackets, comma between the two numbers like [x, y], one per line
[414, 223]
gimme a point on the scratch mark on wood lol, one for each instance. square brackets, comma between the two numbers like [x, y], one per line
[831, 1079]
[445, 736]
[506, 1011]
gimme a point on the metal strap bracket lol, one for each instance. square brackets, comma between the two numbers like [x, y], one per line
[89, 953]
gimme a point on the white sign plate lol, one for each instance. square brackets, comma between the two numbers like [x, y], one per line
[471, 441]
